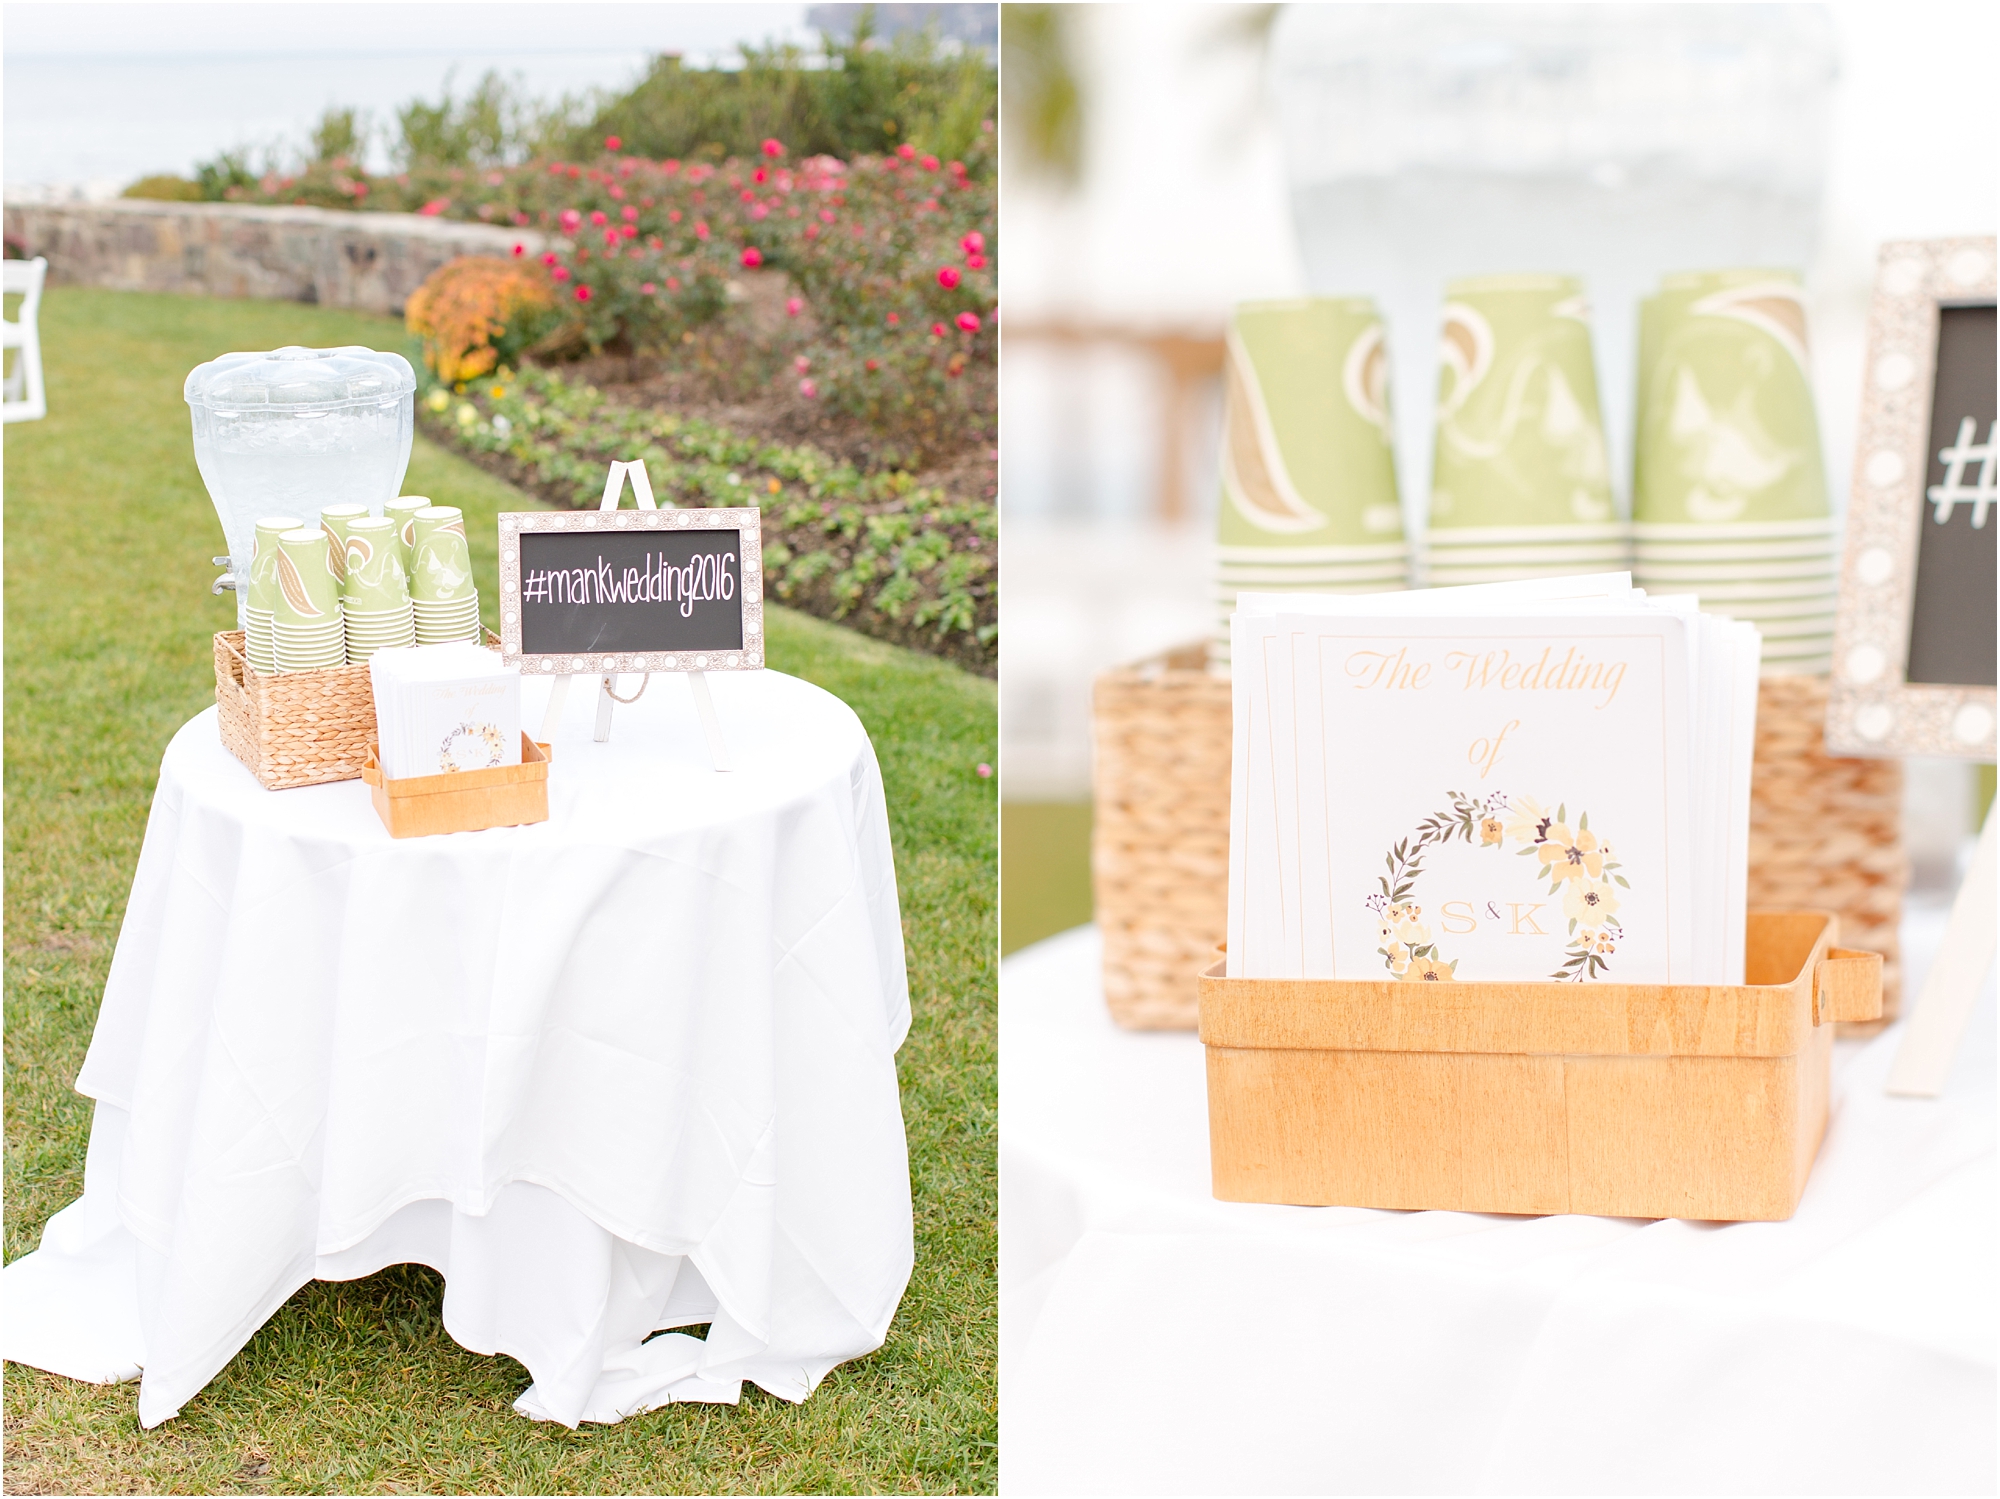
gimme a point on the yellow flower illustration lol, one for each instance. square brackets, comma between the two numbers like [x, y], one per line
[1579, 866]
[1527, 819]
[1567, 855]
[1429, 970]
[1590, 903]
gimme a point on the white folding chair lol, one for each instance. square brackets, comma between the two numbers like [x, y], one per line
[21, 395]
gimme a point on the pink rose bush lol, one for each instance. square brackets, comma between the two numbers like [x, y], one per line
[880, 252]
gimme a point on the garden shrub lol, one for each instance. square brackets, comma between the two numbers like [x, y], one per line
[891, 259]
[478, 310]
[858, 98]
[165, 188]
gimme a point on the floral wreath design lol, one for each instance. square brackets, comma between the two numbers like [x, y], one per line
[479, 734]
[1579, 867]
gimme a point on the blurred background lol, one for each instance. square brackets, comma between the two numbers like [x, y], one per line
[100, 97]
[1164, 163]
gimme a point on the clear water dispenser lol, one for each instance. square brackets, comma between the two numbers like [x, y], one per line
[294, 430]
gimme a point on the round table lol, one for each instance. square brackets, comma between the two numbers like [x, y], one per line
[628, 1069]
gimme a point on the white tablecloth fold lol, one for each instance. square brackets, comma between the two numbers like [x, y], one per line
[629, 1069]
[1156, 1341]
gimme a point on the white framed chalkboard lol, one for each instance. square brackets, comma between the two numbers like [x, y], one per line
[1914, 643]
[617, 591]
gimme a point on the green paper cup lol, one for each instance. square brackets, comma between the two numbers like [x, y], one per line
[315, 648]
[1727, 432]
[334, 520]
[435, 518]
[1306, 455]
[257, 639]
[443, 635]
[263, 591]
[308, 590]
[440, 564]
[1520, 440]
[373, 630]
[441, 571]
[403, 512]
[375, 579]
[456, 611]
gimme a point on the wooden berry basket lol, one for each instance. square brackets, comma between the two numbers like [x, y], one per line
[1627, 1100]
[295, 728]
[464, 802]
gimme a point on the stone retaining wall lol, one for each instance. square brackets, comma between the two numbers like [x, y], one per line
[371, 261]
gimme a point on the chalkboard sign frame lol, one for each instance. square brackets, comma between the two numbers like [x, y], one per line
[1872, 709]
[745, 521]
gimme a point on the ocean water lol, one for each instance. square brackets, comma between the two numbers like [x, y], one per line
[104, 121]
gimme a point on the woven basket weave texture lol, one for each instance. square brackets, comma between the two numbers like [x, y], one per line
[1160, 833]
[1827, 833]
[295, 728]
[1824, 833]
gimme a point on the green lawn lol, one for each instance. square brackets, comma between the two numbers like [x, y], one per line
[355, 1386]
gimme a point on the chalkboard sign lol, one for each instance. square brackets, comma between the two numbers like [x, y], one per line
[1913, 669]
[1952, 630]
[615, 591]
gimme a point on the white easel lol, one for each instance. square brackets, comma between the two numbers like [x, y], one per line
[1923, 1061]
[711, 726]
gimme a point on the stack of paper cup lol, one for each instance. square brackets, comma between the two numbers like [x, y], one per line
[441, 590]
[403, 512]
[260, 604]
[1308, 472]
[1520, 484]
[375, 592]
[1729, 497]
[306, 632]
[334, 520]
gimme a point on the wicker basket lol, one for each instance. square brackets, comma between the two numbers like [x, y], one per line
[1160, 840]
[1824, 833]
[1827, 832]
[297, 728]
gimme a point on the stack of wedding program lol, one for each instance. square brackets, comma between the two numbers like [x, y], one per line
[441, 709]
[1546, 780]
[357, 585]
[1308, 474]
[1729, 496]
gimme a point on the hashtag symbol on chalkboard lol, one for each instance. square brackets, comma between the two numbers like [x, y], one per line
[535, 589]
[1955, 491]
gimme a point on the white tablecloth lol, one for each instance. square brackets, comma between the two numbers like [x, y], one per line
[627, 1069]
[1154, 1340]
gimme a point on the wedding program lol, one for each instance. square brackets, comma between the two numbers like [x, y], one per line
[1546, 780]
